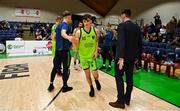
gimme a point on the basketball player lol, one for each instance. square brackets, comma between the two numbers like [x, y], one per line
[62, 53]
[53, 34]
[80, 25]
[87, 41]
[53, 37]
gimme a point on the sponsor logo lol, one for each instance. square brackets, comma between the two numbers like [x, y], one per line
[9, 46]
[93, 37]
[88, 45]
[83, 38]
[14, 46]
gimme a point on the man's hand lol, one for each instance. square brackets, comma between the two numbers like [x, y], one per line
[121, 63]
[75, 43]
[70, 38]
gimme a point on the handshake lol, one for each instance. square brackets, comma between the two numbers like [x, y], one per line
[74, 40]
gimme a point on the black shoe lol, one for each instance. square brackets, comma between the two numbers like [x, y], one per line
[117, 105]
[103, 67]
[138, 68]
[66, 89]
[91, 93]
[75, 63]
[146, 70]
[50, 88]
[127, 103]
[98, 85]
[109, 68]
[127, 99]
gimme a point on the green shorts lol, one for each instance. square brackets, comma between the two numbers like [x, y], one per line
[88, 64]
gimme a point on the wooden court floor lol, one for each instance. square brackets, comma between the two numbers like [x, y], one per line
[24, 82]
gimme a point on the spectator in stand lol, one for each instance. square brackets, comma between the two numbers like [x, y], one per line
[162, 34]
[107, 48]
[31, 30]
[20, 30]
[170, 27]
[38, 35]
[114, 40]
[157, 20]
[48, 30]
[162, 30]
[175, 20]
[145, 31]
[43, 32]
[151, 28]
[158, 23]
[4, 25]
[141, 23]
[153, 37]
[176, 42]
[1, 26]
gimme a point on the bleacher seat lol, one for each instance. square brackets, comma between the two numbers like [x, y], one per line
[145, 43]
[7, 35]
[146, 49]
[177, 52]
[169, 51]
[153, 50]
[162, 45]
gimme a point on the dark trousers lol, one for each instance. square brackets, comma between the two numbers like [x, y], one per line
[170, 36]
[128, 69]
[106, 54]
[138, 64]
[61, 57]
[114, 51]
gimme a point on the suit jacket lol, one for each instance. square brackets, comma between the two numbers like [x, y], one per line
[129, 43]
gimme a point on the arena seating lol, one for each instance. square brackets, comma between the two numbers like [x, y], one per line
[7, 35]
[162, 54]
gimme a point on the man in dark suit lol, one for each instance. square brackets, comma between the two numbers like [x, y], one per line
[129, 45]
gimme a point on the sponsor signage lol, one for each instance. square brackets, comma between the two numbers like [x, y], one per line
[21, 48]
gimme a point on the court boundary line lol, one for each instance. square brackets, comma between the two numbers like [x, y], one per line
[45, 108]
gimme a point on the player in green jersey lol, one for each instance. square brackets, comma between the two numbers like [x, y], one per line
[53, 37]
[75, 49]
[53, 34]
[87, 42]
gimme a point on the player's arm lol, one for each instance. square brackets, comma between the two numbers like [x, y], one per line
[64, 35]
[98, 35]
[77, 37]
[97, 42]
[74, 31]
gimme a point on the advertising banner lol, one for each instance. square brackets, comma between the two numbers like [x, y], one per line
[22, 48]
[27, 12]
